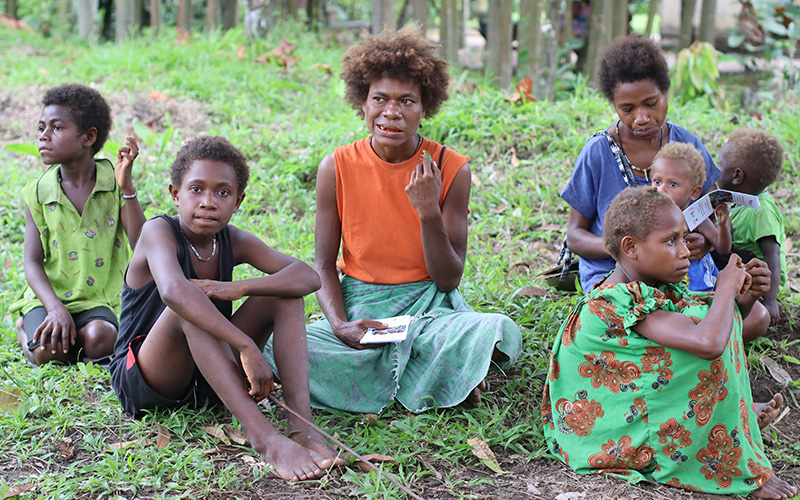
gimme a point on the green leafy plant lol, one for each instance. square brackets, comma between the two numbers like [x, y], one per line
[697, 75]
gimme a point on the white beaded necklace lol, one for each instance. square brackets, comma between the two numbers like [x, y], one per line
[196, 253]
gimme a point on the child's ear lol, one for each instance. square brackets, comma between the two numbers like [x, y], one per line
[173, 192]
[628, 247]
[738, 177]
[239, 201]
[91, 137]
[696, 192]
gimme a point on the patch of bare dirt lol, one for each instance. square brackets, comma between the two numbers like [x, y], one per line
[20, 110]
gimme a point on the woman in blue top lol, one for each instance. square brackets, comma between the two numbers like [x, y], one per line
[633, 75]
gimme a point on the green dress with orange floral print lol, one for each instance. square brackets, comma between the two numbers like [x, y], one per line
[616, 402]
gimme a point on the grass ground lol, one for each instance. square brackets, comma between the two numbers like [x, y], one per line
[62, 433]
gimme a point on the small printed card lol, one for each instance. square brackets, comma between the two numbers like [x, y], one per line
[396, 331]
[700, 210]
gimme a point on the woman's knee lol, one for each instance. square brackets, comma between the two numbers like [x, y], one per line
[756, 323]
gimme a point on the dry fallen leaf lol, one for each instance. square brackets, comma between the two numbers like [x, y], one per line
[481, 450]
[550, 227]
[9, 400]
[240, 53]
[217, 432]
[65, 449]
[375, 459]
[162, 438]
[122, 445]
[7, 263]
[779, 374]
[514, 160]
[18, 489]
[235, 434]
[157, 96]
[533, 291]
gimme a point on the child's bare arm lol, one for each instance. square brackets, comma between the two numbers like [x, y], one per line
[719, 235]
[58, 324]
[190, 303]
[131, 212]
[772, 255]
[286, 276]
[708, 338]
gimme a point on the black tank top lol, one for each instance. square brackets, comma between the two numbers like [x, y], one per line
[141, 307]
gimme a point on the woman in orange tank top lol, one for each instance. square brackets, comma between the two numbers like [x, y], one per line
[400, 218]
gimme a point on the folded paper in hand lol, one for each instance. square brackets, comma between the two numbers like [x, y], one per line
[700, 210]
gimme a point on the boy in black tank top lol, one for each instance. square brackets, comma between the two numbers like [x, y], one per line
[180, 343]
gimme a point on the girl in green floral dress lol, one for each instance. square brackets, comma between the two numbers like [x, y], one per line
[649, 380]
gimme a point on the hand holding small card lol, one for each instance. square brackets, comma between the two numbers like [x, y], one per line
[396, 331]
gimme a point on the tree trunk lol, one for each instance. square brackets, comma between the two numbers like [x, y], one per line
[155, 17]
[213, 14]
[498, 29]
[124, 19]
[185, 16]
[687, 23]
[599, 35]
[260, 16]
[86, 12]
[619, 18]
[383, 15]
[652, 10]
[530, 42]
[230, 11]
[707, 18]
[11, 9]
[64, 13]
[292, 8]
[551, 47]
[450, 31]
[419, 10]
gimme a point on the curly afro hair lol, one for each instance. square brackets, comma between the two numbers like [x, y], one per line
[685, 152]
[403, 55]
[87, 108]
[631, 59]
[758, 153]
[633, 212]
[210, 148]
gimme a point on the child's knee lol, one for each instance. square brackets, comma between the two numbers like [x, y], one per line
[98, 338]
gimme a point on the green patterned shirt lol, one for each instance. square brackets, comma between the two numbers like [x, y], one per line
[85, 256]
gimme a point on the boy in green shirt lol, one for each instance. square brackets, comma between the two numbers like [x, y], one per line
[77, 214]
[750, 161]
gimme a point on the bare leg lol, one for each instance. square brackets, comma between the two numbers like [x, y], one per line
[291, 357]
[775, 488]
[474, 398]
[769, 411]
[167, 360]
[756, 323]
[38, 356]
[97, 338]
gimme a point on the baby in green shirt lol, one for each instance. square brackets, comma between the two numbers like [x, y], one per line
[750, 162]
[77, 214]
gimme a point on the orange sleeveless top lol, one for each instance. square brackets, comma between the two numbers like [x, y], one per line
[381, 235]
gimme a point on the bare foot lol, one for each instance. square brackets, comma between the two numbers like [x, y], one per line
[769, 411]
[291, 461]
[314, 441]
[474, 397]
[776, 489]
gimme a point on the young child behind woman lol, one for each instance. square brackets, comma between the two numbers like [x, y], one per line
[680, 171]
[750, 162]
[77, 214]
[648, 379]
[181, 344]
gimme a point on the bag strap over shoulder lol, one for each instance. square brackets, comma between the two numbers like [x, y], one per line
[624, 168]
[441, 155]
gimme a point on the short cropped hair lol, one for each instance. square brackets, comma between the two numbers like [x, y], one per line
[633, 212]
[210, 148]
[631, 59]
[402, 54]
[685, 152]
[758, 153]
[87, 108]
